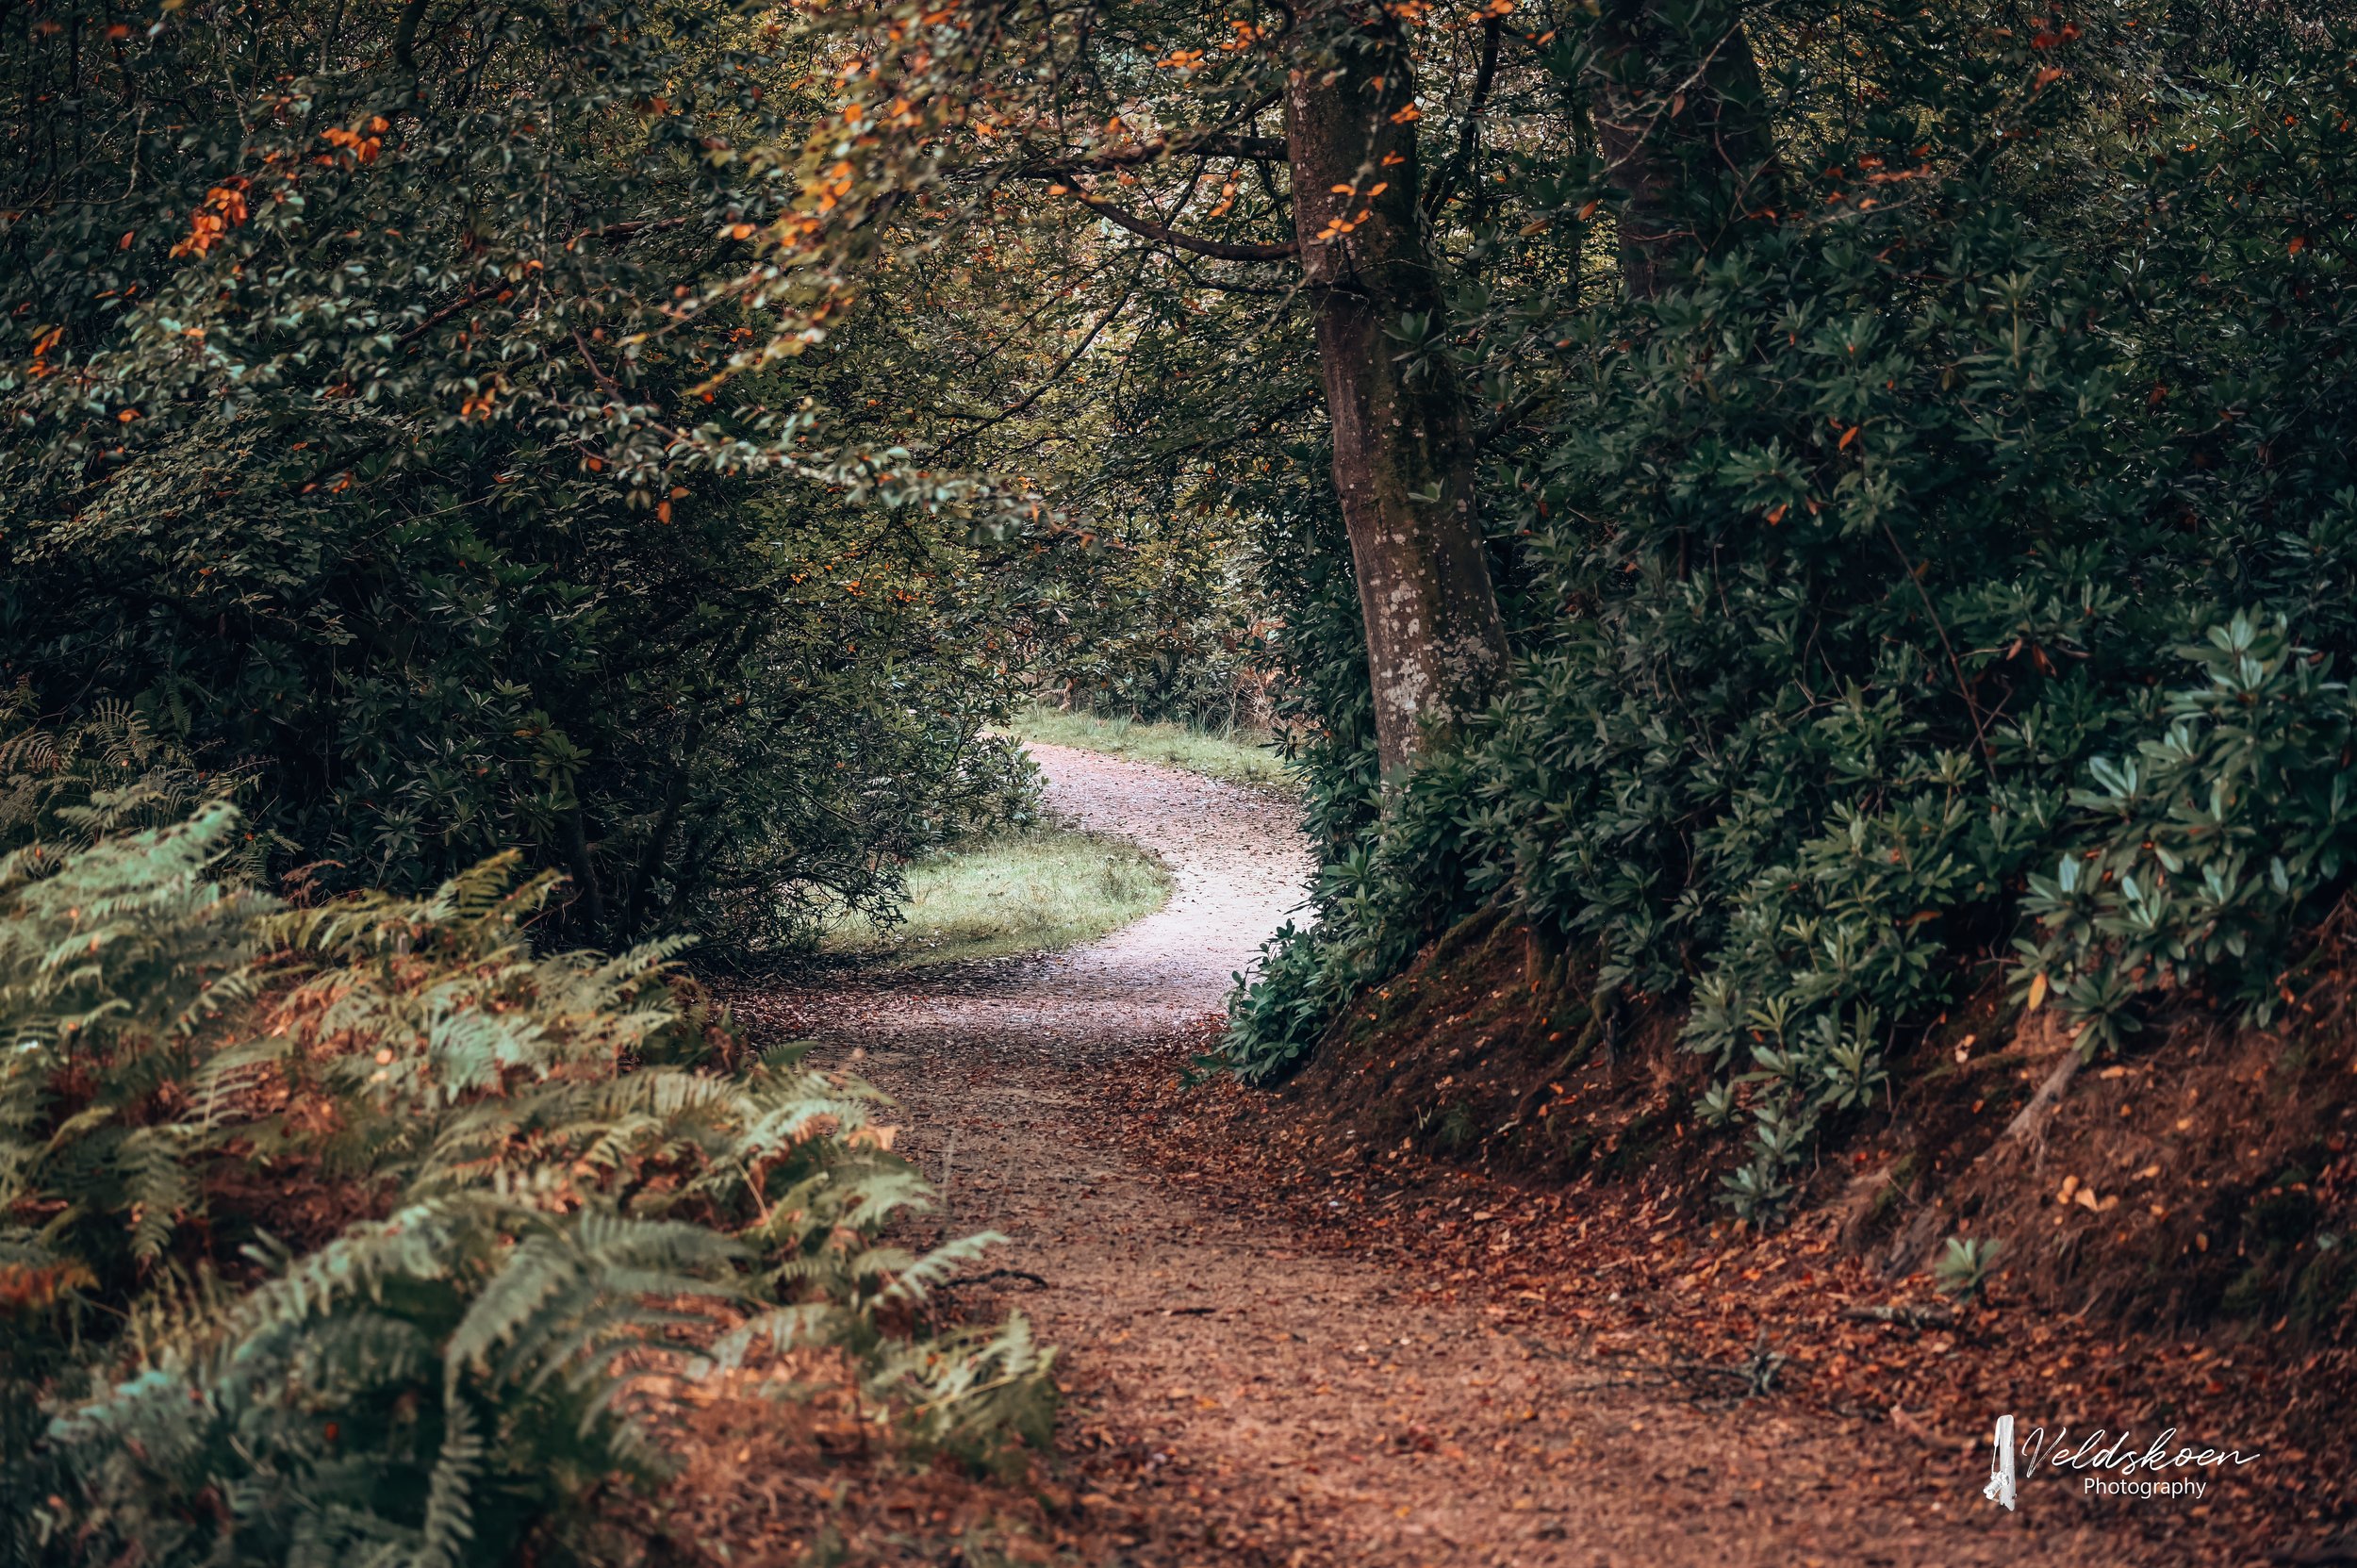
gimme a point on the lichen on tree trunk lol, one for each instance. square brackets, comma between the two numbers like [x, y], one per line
[1403, 453]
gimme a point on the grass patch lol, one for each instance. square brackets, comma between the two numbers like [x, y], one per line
[1018, 892]
[1240, 756]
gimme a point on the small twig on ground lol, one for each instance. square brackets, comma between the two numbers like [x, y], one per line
[1906, 1317]
[1584, 1385]
[1901, 1421]
[2029, 1125]
[1023, 1274]
[1756, 1374]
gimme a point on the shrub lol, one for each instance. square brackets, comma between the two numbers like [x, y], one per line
[356, 1228]
[344, 446]
[1906, 553]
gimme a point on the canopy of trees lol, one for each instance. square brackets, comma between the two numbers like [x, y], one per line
[345, 350]
[1830, 510]
[1904, 457]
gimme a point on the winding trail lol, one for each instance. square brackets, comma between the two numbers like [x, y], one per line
[1290, 1405]
[1237, 866]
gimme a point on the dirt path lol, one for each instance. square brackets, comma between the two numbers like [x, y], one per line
[1292, 1406]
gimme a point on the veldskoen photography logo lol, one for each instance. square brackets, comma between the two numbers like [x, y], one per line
[2121, 1466]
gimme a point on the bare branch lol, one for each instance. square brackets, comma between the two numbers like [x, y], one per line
[1201, 144]
[406, 35]
[1470, 128]
[1216, 248]
[1052, 377]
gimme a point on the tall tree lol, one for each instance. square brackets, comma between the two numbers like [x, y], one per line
[352, 426]
[1173, 213]
[1333, 214]
[1403, 458]
[1682, 116]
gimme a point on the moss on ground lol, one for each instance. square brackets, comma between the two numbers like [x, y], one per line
[1244, 757]
[1031, 891]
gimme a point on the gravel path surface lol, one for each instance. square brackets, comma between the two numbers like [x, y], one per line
[1236, 867]
[1295, 1407]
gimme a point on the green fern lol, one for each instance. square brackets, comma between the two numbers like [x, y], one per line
[566, 1206]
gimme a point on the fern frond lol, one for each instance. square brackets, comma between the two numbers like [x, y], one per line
[781, 1328]
[916, 1279]
[448, 1522]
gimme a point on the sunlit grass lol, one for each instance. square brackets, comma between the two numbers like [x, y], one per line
[1043, 888]
[1241, 756]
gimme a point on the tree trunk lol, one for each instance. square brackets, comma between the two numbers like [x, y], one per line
[1682, 120]
[1403, 455]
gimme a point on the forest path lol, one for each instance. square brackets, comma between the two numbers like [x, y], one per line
[1269, 1402]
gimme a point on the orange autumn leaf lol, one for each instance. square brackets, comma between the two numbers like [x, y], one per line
[224, 209]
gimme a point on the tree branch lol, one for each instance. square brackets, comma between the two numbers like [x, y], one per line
[620, 233]
[452, 308]
[1964, 688]
[406, 35]
[628, 231]
[1507, 419]
[1201, 144]
[612, 388]
[1454, 169]
[1215, 249]
[1052, 377]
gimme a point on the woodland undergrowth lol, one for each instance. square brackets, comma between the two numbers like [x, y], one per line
[1944, 587]
[366, 1230]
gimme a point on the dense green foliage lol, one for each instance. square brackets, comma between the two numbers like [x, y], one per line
[1948, 584]
[1161, 628]
[356, 437]
[353, 1230]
